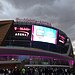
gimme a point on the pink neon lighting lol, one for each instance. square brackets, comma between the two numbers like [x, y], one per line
[22, 28]
[15, 28]
[32, 37]
[62, 37]
[56, 37]
[71, 62]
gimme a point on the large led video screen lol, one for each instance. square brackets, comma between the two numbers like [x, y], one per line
[44, 34]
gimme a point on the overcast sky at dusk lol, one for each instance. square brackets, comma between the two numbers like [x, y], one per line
[60, 13]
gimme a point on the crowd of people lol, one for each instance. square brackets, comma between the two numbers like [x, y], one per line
[37, 71]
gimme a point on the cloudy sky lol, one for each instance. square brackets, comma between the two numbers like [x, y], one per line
[60, 13]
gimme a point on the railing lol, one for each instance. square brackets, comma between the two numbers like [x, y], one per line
[47, 66]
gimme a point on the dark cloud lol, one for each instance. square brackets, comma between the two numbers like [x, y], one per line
[29, 3]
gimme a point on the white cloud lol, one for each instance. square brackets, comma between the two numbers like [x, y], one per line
[8, 12]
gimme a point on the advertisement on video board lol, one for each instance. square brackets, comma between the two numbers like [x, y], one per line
[44, 34]
[62, 39]
[22, 32]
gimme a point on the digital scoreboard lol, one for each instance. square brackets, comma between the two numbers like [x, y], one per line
[44, 34]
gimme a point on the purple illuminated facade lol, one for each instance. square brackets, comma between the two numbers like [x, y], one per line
[34, 40]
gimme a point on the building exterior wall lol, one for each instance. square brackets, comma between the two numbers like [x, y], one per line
[4, 27]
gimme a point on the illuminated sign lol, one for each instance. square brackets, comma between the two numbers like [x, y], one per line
[44, 34]
[22, 34]
[22, 31]
[22, 28]
[61, 39]
[33, 21]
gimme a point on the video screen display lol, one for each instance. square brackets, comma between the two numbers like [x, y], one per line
[44, 34]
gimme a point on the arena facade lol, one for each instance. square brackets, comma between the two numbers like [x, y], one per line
[36, 41]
